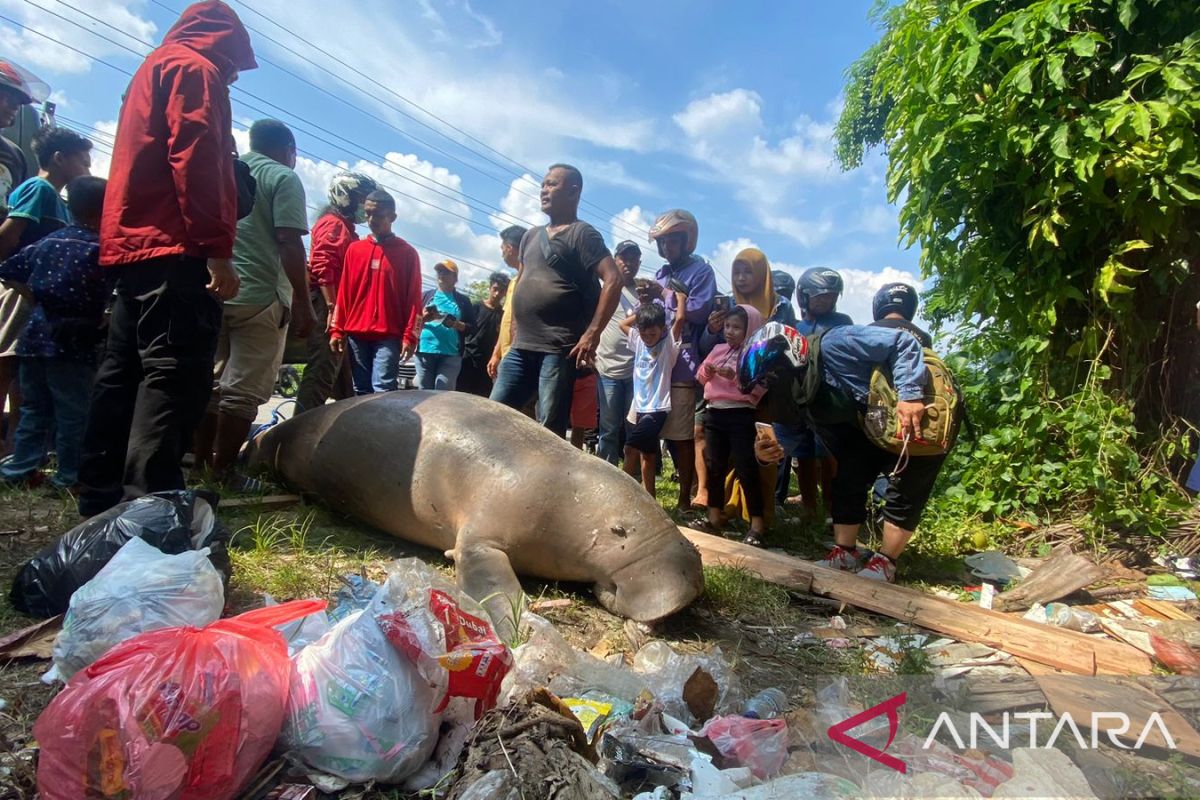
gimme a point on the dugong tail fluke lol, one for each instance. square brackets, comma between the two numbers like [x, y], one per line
[499, 494]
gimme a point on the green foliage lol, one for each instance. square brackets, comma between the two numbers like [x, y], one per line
[477, 290]
[1046, 158]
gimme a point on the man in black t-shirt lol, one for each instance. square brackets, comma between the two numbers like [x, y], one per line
[894, 306]
[569, 288]
[482, 340]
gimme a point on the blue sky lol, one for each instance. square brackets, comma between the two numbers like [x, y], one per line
[721, 108]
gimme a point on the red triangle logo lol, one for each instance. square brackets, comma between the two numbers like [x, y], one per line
[840, 732]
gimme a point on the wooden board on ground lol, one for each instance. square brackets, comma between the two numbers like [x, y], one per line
[1083, 698]
[1064, 572]
[1055, 647]
[1161, 609]
[266, 501]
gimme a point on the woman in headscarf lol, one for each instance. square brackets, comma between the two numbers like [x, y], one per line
[750, 276]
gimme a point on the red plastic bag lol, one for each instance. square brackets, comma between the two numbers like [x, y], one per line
[173, 714]
[438, 627]
[758, 744]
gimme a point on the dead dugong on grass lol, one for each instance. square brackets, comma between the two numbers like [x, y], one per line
[499, 493]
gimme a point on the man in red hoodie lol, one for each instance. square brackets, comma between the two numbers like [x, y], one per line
[378, 301]
[168, 226]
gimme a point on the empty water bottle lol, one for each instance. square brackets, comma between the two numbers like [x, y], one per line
[1074, 619]
[767, 704]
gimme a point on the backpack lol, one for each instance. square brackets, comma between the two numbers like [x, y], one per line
[940, 423]
[826, 405]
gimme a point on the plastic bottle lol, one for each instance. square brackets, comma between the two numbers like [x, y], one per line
[767, 704]
[1074, 619]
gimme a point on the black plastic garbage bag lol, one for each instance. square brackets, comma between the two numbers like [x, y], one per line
[171, 521]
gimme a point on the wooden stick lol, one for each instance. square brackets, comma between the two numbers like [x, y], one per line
[266, 500]
[1055, 647]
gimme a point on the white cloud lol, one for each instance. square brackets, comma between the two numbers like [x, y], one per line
[521, 204]
[102, 161]
[726, 132]
[38, 53]
[860, 284]
[631, 223]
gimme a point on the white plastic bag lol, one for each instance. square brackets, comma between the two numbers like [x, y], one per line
[357, 708]
[367, 698]
[140, 589]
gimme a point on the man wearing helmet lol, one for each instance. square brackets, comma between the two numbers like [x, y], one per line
[331, 236]
[676, 233]
[18, 87]
[819, 289]
[848, 356]
[560, 307]
[894, 306]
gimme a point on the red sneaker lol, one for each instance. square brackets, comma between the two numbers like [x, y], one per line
[843, 559]
[879, 568]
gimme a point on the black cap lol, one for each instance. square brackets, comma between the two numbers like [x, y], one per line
[626, 246]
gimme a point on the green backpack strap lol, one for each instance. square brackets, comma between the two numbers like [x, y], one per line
[822, 404]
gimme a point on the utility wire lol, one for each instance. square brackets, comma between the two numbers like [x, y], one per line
[523, 175]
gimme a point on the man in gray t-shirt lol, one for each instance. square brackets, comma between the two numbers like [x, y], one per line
[568, 288]
[614, 358]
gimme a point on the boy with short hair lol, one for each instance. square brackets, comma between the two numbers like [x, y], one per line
[654, 356]
[61, 273]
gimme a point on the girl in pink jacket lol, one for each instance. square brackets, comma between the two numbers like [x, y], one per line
[729, 421]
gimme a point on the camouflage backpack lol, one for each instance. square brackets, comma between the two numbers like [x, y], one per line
[940, 423]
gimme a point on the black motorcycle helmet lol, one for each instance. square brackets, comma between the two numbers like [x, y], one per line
[818, 280]
[892, 297]
[783, 284]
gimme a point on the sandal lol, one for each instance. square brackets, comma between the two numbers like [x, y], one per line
[707, 527]
[754, 539]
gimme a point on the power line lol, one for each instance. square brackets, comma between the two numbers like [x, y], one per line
[521, 175]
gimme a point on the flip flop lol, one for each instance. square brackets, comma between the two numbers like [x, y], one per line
[753, 539]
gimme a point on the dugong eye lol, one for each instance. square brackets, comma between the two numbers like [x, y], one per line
[619, 530]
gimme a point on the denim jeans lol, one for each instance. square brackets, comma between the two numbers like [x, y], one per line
[524, 374]
[615, 396]
[54, 397]
[437, 371]
[374, 364]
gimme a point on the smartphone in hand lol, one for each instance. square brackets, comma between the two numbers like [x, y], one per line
[764, 430]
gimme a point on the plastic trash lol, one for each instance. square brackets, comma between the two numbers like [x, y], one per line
[1044, 772]
[808, 785]
[1074, 619]
[1177, 594]
[174, 522]
[992, 565]
[666, 674]
[358, 708]
[767, 704]
[141, 589]
[353, 595]
[759, 744]
[179, 713]
[300, 633]
[366, 700]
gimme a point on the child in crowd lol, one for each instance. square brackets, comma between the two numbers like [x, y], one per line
[654, 355]
[729, 422]
[61, 273]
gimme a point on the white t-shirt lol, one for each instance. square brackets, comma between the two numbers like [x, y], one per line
[614, 357]
[652, 373]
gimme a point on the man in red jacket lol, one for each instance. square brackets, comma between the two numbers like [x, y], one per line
[378, 300]
[168, 226]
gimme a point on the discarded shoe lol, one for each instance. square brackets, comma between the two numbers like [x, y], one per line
[840, 558]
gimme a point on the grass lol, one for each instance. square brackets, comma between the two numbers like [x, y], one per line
[738, 592]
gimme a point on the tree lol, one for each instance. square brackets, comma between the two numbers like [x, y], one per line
[477, 290]
[1046, 157]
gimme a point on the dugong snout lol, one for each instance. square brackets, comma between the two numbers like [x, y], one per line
[655, 586]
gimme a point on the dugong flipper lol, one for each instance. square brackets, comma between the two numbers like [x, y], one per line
[500, 494]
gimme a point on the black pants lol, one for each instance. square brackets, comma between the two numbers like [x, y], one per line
[860, 463]
[729, 436]
[473, 379]
[153, 383]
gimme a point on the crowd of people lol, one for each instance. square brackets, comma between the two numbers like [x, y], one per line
[199, 254]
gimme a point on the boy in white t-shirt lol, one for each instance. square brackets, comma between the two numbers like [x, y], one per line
[654, 354]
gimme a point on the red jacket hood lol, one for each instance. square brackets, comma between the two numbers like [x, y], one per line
[213, 29]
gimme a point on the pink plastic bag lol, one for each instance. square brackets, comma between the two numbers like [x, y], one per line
[173, 714]
[757, 744]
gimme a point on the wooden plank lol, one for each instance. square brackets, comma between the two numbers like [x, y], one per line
[1162, 608]
[1081, 698]
[1064, 572]
[270, 500]
[1055, 647]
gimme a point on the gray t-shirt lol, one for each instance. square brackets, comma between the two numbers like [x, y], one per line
[614, 359]
[559, 288]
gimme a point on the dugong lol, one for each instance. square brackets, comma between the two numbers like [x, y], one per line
[500, 494]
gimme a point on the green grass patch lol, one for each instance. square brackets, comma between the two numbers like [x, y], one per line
[737, 591]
